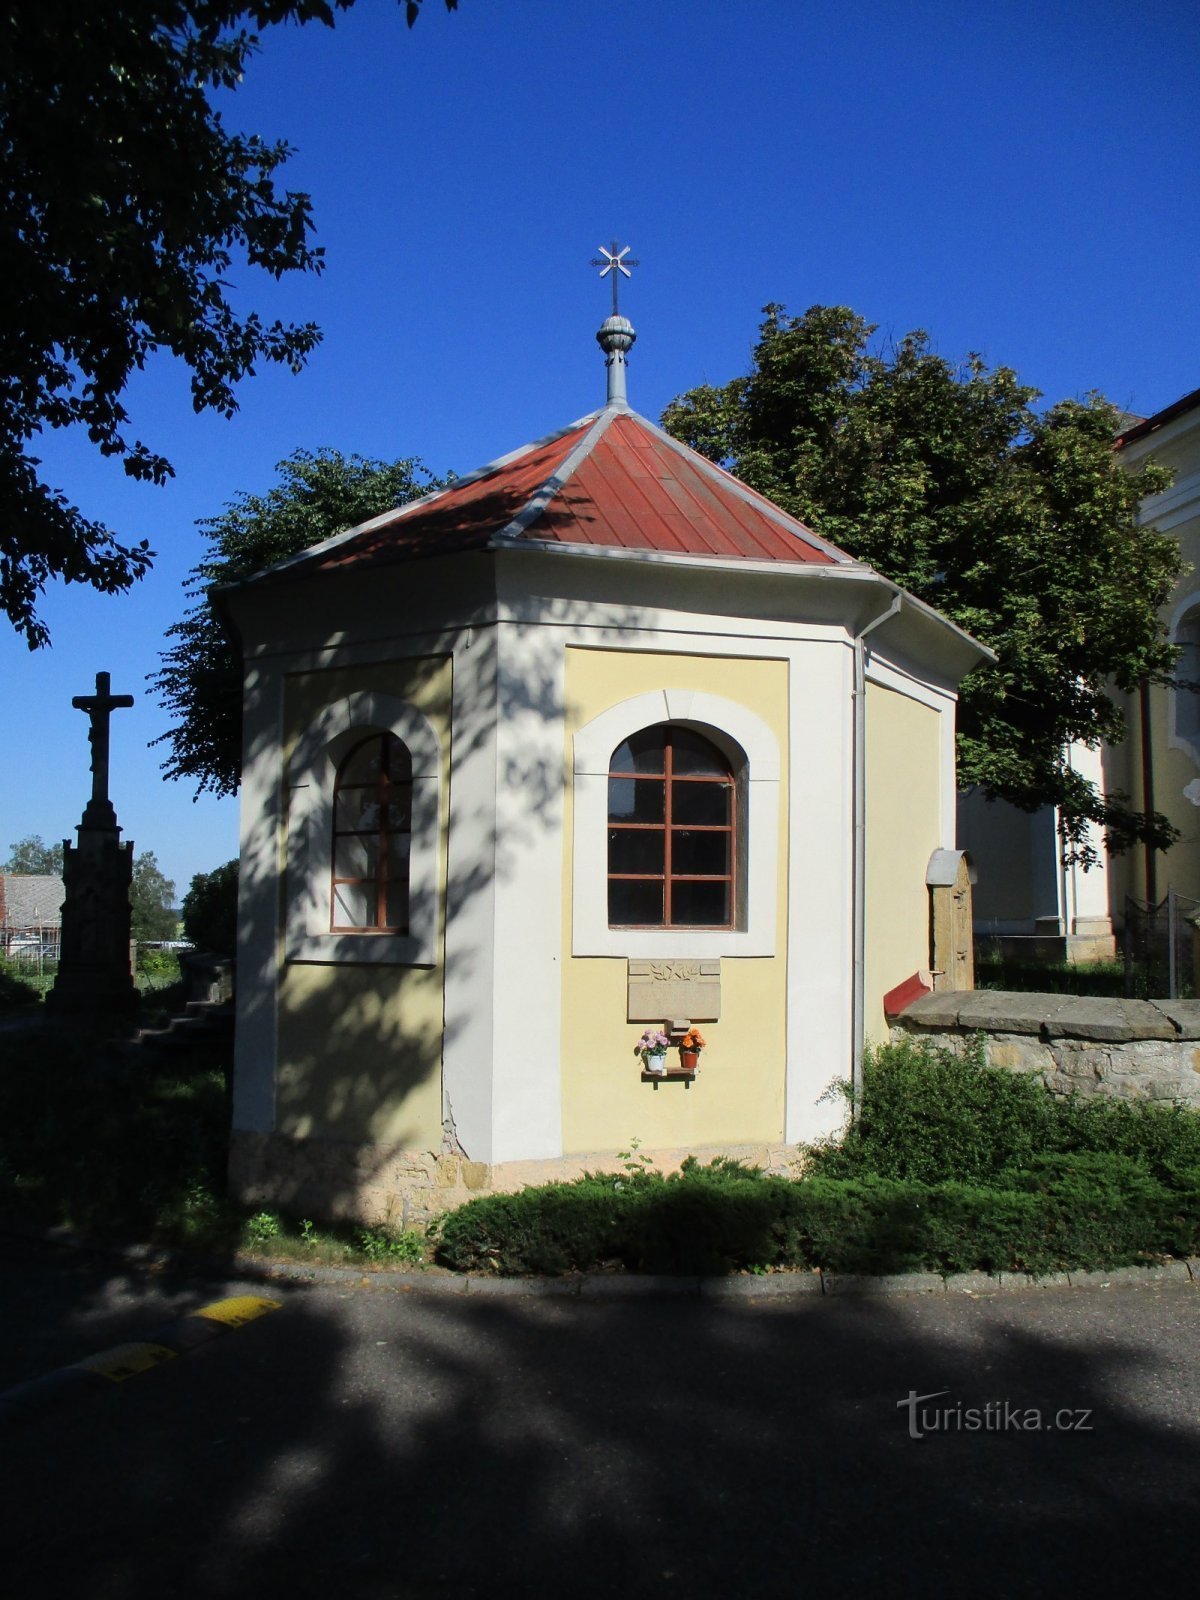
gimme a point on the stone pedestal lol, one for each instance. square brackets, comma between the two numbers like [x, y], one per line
[94, 972]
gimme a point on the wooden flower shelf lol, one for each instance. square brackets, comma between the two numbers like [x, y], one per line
[671, 1075]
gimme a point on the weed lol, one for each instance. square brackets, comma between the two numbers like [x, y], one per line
[262, 1228]
[382, 1244]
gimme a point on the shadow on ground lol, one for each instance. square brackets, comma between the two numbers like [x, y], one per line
[387, 1445]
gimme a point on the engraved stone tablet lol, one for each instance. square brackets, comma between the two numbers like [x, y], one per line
[659, 990]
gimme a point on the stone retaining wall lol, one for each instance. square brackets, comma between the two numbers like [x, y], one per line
[1133, 1049]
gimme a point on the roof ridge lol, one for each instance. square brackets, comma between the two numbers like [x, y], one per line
[421, 503]
[745, 493]
[558, 479]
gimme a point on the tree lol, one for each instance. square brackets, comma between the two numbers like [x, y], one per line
[210, 910]
[200, 682]
[152, 901]
[31, 854]
[126, 205]
[1015, 523]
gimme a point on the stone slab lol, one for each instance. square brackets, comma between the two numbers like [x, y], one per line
[753, 1287]
[1002, 1011]
[1183, 1015]
[933, 1011]
[1113, 1020]
[661, 991]
[971, 1282]
[509, 1287]
[1103, 1277]
[628, 1286]
[883, 1283]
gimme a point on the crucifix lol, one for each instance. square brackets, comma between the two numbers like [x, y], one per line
[614, 261]
[98, 707]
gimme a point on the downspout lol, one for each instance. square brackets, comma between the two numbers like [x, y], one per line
[858, 1014]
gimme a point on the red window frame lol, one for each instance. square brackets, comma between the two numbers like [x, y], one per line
[670, 779]
[389, 790]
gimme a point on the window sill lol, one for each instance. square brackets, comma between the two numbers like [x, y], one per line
[366, 949]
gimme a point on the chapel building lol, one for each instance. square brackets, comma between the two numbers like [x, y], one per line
[593, 742]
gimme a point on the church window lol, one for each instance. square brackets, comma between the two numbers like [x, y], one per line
[672, 832]
[372, 835]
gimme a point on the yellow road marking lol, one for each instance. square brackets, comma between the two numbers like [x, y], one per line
[126, 1361]
[239, 1310]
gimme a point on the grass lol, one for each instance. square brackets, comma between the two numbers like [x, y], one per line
[134, 1145]
[1103, 978]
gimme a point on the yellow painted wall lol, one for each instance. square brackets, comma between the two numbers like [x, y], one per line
[903, 823]
[360, 1047]
[738, 1097]
[1173, 769]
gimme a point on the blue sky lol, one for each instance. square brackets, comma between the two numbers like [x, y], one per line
[1018, 179]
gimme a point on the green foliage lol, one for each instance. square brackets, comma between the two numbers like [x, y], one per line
[928, 1115]
[151, 901]
[15, 992]
[33, 855]
[1016, 523]
[950, 1166]
[1039, 977]
[116, 1143]
[261, 1228]
[129, 206]
[210, 910]
[384, 1244]
[200, 682]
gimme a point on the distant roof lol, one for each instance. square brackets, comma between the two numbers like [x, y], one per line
[31, 900]
[1151, 424]
[612, 479]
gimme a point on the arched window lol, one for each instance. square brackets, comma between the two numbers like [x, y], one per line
[672, 832]
[372, 835]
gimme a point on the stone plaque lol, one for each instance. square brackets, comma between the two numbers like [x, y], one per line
[666, 990]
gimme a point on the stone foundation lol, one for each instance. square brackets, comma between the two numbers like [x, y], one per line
[334, 1179]
[1130, 1049]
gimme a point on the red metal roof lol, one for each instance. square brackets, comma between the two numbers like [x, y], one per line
[612, 480]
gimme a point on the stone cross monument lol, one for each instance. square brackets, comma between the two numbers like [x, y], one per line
[95, 973]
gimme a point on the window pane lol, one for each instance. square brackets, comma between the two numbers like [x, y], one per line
[635, 800]
[634, 904]
[701, 802]
[399, 759]
[397, 905]
[355, 855]
[636, 850]
[641, 752]
[364, 763]
[354, 905]
[691, 752]
[699, 905]
[699, 852]
[357, 808]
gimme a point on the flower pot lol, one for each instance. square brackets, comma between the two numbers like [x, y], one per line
[689, 1060]
[657, 1063]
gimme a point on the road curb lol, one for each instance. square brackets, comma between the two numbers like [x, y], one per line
[619, 1285]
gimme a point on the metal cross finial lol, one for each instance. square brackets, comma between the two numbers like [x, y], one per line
[99, 707]
[614, 261]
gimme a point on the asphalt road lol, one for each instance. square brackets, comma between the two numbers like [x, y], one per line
[377, 1444]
